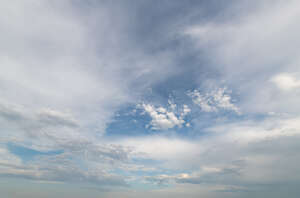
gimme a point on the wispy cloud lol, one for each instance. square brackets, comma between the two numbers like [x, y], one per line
[213, 101]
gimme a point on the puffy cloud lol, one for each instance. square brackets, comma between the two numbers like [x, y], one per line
[163, 119]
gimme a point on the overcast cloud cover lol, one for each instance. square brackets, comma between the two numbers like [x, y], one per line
[149, 99]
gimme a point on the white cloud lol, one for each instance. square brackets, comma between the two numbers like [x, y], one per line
[249, 131]
[7, 158]
[170, 149]
[202, 101]
[163, 119]
[213, 101]
[186, 110]
[286, 81]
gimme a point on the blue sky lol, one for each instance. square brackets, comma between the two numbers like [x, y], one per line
[149, 99]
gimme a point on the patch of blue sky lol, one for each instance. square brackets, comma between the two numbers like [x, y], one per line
[129, 121]
[175, 86]
[28, 154]
[145, 161]
[133, 125]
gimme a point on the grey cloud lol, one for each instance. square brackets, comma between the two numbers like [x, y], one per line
[242, 171]
[52, 117]
[12, 113]
[96, 151]
[48, 130]
[221, 177]
[63, 174]
[21, 124]
[63, 168]
[215, 176]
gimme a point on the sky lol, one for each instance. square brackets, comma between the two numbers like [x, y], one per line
[140, 98]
